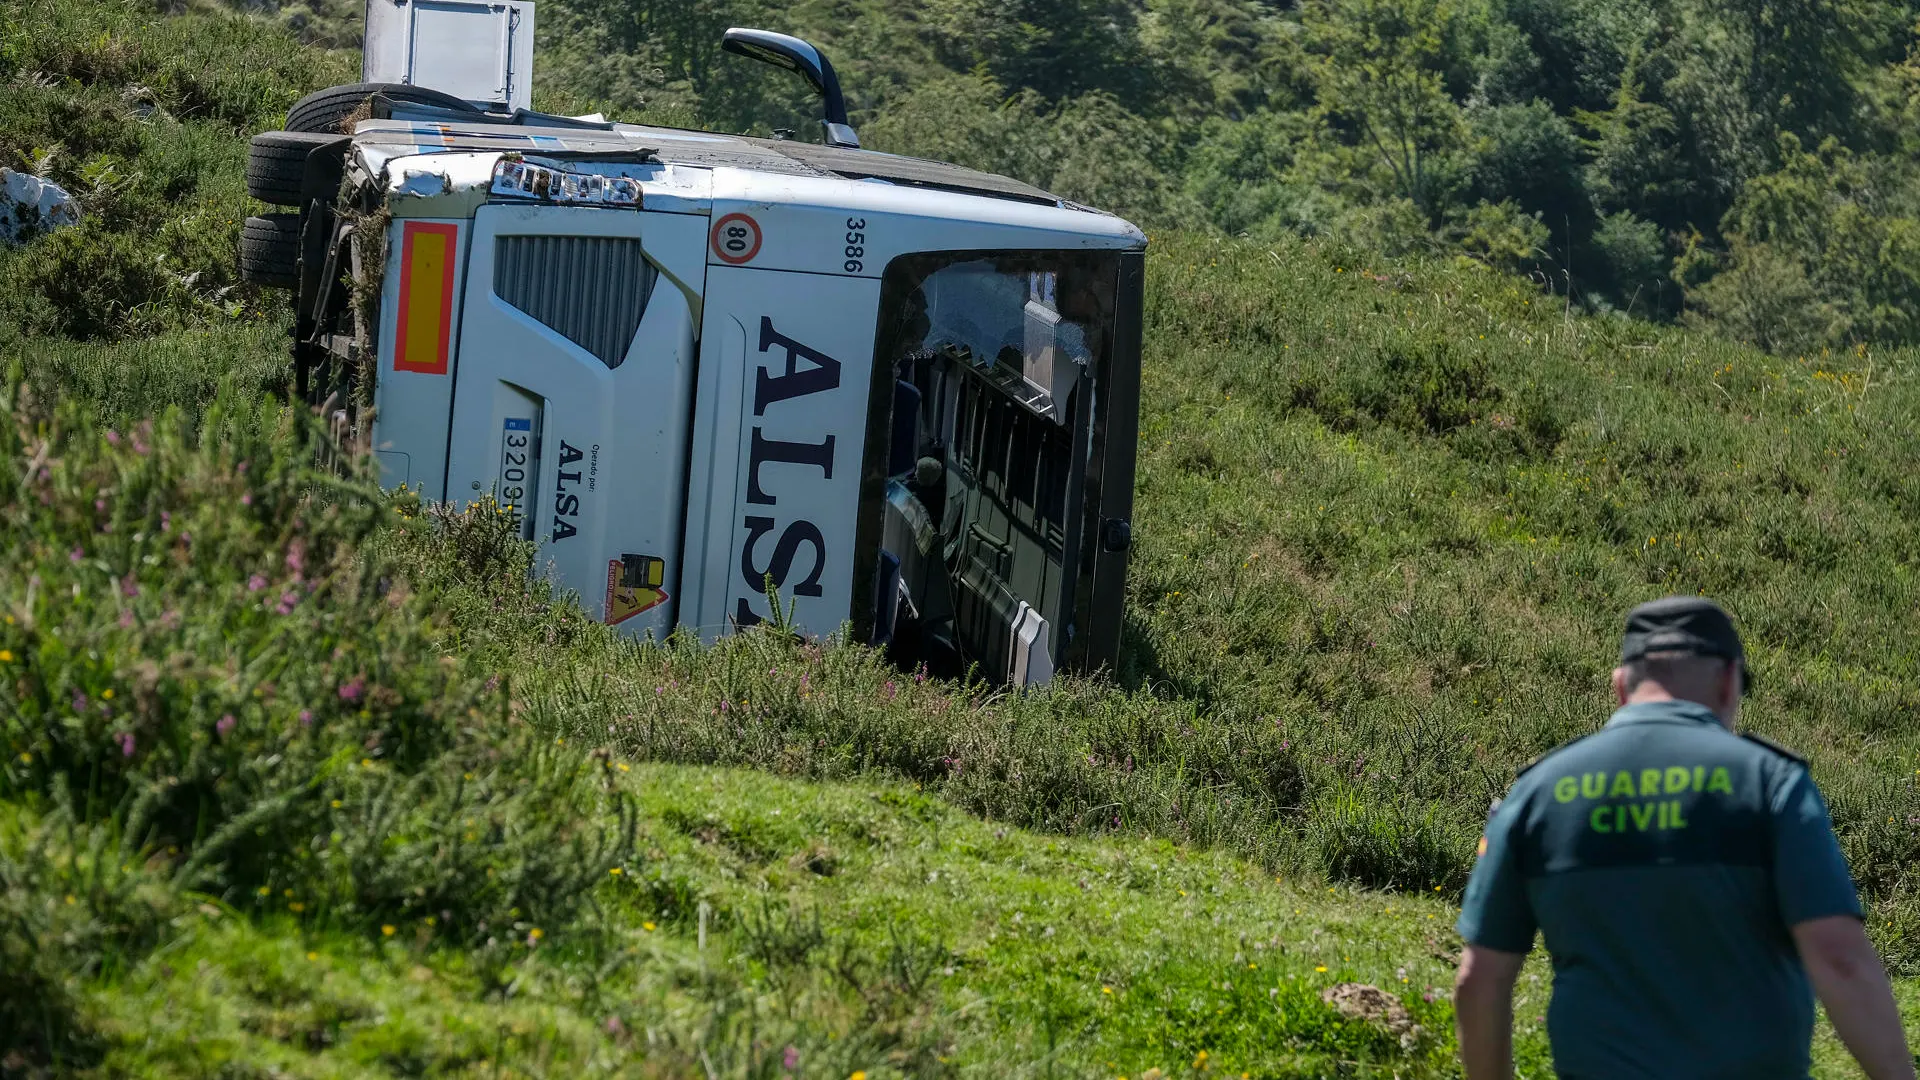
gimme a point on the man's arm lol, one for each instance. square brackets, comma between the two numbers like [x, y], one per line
[1497, 923]
[1483, 1011]
[1852, 984]
[1818, 903]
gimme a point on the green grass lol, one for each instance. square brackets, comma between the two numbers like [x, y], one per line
[1389, 515]
[869, 927]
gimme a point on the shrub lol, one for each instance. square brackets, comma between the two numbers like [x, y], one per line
[1633, 261]
[207, 657]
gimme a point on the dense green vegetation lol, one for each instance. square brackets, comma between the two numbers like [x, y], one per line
[302, 777]
[1751, 164]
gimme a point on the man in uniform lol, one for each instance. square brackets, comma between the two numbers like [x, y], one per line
[1687, 881]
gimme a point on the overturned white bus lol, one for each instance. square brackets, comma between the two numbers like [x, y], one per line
[691, 363]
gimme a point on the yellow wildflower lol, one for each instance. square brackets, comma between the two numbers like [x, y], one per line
[386, 931]
[6, 656]
[647, 926]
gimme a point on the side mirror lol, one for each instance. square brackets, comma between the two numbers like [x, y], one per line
[786, 51]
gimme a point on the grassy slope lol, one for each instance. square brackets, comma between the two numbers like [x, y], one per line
[980, 948]
[1388, 517]
[1405, 500]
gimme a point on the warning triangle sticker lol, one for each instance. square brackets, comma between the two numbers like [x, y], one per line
[635, 583]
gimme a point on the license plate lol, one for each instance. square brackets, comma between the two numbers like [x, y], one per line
[513, 487]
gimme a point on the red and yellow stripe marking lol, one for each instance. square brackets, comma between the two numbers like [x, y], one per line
[424, 333]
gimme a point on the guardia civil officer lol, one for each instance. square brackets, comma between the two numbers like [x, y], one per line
[1688, 884]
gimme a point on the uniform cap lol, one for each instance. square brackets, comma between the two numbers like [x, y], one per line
[1684, 624]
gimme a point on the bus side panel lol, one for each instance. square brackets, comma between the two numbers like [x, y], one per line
[778, 445]
[416, 353]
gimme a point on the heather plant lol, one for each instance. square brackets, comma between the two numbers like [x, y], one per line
[213, 676]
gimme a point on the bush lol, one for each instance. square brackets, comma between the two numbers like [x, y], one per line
[197, 625]
[1633, 260]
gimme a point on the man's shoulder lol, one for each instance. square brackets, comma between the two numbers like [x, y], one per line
[1580, 746]
[1774, 749]
[1540, 771]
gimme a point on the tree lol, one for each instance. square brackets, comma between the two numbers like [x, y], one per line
[1824, 251]
[1380, 70]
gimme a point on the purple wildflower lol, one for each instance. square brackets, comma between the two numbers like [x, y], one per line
[890, 690]
[79, 702]
[126, 618]
[129, 587]
[166, 521]
[224, 725]
[306, 717]
[353, 688]
[287, 601]
[256, 583]
[113, 437]
[790, 1060]
[246, 499]
[296, 558]
[100, 505]
[126, 743]
[76, 555]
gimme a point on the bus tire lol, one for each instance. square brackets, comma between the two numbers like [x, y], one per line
[325, 111]
[270, 251]
[277, 164]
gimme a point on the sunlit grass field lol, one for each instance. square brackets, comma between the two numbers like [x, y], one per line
[303, 779]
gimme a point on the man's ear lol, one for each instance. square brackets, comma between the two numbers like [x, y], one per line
[1620, 685]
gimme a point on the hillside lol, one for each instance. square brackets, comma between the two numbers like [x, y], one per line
[302, 777]
[1749, 165]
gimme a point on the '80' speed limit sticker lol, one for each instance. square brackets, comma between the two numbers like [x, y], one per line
[735, 239]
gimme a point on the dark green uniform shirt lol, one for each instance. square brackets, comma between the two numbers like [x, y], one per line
[1664, 858]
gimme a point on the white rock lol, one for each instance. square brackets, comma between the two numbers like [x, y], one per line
[30, 205]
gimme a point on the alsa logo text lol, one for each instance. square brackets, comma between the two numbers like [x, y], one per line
[800, 544]
[566, 503]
